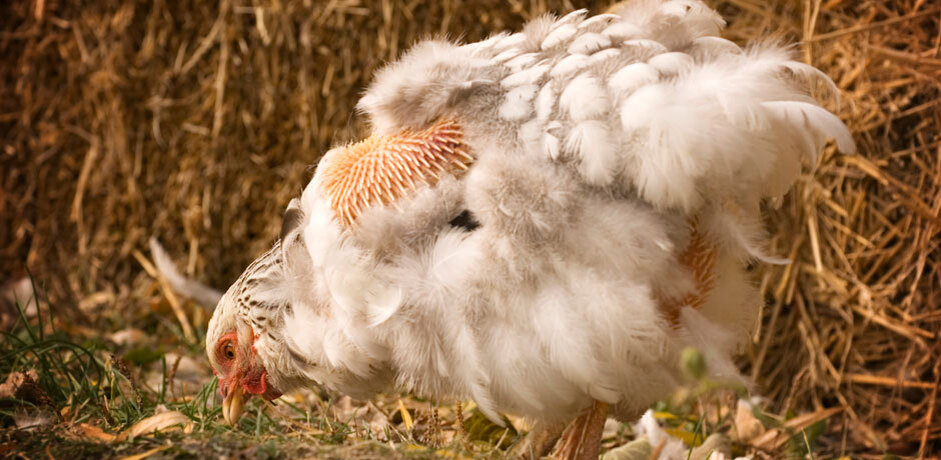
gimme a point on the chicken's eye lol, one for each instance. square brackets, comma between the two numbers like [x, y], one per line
[228, 350]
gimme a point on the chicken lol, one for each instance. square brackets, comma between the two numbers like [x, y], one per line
[540, 222]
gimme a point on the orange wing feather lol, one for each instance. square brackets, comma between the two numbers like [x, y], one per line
[382, 169]
[700, 257]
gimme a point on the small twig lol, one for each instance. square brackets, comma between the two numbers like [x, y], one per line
[204, 46]
[435, 440]
[904, 56]
[874, 25]
[118, 364]
[169, 294]
[76, 214]
[888, 381]
[930, 415]
[172, 374]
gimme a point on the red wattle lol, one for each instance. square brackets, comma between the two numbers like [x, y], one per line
[256, 385]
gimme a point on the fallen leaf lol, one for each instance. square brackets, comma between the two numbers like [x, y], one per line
[93, 301]
[66, 411]
[775, 437]
[8, 447]
[688, 437]
[638, 449]
[129, 336]
[14, 381]
[747, 426]
[170, 419]
[480, 428]
[95, 432]
[611, 428]
[716, 445]
[406, 417]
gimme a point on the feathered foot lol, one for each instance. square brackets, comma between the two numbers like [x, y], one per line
[581, 439]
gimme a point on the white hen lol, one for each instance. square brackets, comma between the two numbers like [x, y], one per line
[540, 222]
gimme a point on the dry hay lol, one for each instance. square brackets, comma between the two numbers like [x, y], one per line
[197, 121]
[854, 320]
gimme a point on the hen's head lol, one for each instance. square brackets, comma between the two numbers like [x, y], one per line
[240, 319]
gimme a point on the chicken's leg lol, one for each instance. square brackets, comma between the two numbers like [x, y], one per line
[581, 440]
[539, 441]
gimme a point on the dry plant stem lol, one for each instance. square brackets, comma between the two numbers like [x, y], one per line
[929, 417]
[435, 428]
[581, 439]
[461, 430]
[171, 376]
[169, 294]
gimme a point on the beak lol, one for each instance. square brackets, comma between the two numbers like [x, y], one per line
[232, 404]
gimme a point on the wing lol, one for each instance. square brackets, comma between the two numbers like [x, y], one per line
[647, 100]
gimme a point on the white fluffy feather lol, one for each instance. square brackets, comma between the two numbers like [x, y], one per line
[671, 63]
[520, 62]
[569, 65]
[708, 47]
[574, 17]
[400, 100]
[507, 55]
[545, 103]
[592, 143]
[651, 46]
[530, 76]
[599, 57]
[739, 114]
[551, 146]
[597, 22]
[511, 41]
[584, 98]
[558, 37]
[633, 76]
[518, 102]
[623, 31]
[588, 43]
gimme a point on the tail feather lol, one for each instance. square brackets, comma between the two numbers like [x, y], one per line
[816, 123]
[737, 127]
